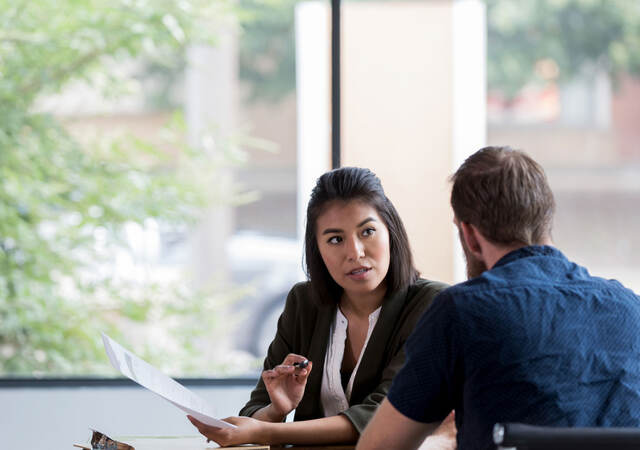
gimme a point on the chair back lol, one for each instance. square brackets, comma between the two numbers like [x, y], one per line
[518, 436]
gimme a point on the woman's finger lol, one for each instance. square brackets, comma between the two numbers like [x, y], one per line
[292, 358]
[202, 427]
[302, 374]
[284, 370]
[196, 423]
[216, 434]
[278, 372]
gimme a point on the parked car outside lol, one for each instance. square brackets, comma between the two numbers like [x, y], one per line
[272, 265]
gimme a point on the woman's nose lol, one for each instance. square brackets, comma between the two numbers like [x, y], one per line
[355, 249]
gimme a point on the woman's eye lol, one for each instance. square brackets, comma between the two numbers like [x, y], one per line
[334, 240]
[368, 231]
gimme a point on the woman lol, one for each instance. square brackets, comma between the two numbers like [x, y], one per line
[350, 321]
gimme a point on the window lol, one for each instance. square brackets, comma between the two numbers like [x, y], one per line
[563, 86]
[152, 182]
[148, 184]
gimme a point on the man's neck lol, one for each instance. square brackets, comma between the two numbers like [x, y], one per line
[494, 253]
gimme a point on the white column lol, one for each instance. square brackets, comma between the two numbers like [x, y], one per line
[413, 107]
[469, 95]
[313, 100]
[211, 110]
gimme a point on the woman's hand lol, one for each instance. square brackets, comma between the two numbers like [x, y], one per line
[285, 384]
[247, 431]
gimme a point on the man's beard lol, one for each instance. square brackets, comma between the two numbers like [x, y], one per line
[475, 266]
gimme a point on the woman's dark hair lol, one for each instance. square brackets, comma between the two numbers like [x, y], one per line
[347, 184]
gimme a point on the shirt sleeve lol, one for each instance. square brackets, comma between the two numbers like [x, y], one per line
[425, 388]
[360, 414]
[279, 348]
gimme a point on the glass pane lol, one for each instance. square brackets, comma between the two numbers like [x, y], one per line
[148, 157]
[564, 86]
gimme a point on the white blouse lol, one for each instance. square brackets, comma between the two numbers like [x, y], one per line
[333, 397]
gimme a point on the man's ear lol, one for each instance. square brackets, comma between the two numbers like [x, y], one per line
[470, 235]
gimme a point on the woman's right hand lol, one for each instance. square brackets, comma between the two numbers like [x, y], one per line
[285, 384]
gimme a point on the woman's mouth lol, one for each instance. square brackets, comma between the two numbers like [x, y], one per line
[359, 274]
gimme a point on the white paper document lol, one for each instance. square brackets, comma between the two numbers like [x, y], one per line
[153, 379]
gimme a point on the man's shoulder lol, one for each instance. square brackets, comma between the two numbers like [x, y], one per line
[614, 289]
[538, 267]
[494, 287]
[542, 277]
[474, 287]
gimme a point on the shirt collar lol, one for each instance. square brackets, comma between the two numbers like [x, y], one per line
[531, 250]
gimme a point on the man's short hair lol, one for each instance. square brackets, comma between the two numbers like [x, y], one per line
[505, 194]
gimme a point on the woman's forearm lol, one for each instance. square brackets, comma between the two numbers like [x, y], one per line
[269, 414]
[328, 430]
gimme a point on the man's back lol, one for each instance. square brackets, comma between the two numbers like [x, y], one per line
[535, 339]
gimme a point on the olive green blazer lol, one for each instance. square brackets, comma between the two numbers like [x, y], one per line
[303, 328]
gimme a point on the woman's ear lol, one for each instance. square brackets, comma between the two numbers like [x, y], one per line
[470, 235]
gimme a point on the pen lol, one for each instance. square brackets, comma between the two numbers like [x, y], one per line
[302, 364]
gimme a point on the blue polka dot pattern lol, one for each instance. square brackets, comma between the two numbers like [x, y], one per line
[536, 340]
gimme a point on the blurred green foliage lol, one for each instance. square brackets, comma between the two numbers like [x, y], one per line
[578, 37]
[66, 202]
[267, 48]
[266, 54]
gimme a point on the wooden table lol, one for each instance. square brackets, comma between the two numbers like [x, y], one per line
[314, 447]
[198, 443]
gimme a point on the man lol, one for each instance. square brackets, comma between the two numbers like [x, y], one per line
[530, 338]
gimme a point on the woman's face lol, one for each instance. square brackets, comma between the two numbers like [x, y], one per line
[354, 245]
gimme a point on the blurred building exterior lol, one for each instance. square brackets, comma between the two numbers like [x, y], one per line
[585, 133]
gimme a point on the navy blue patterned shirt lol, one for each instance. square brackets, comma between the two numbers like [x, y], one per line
[536, 340]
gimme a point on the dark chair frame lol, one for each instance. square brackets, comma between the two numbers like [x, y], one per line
[528, 437]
